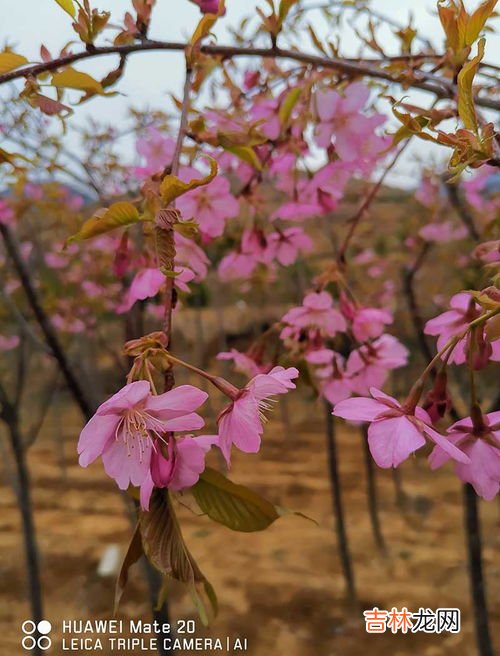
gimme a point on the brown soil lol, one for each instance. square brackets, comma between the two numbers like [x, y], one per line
[282, 588]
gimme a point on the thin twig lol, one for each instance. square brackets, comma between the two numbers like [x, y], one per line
[43, 320]
[363, 208]
[440, 87]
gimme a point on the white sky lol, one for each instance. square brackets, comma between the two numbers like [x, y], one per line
[150, 77]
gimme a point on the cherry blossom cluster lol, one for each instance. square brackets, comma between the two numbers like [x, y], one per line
[467, 334]
[145, 439]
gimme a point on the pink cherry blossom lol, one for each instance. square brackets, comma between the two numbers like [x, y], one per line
[321, 356]
[476, 189]
[33, 191]
[317, 196]
[183, 465]
[211, 205]
[56, 260]
[365, 256]
[236, 265]
[442, 232]
[488, 252]
[182, 277]
[146, 283]
[453, 322]
[243, 363]
[354, 133]
[428, 192]
[207, 6]
[242, 263]
[68, 324]
[317, 311]
[339, 112]
[297, 210]
[241, 423]
[9, 343]
[395, 432]
[328, 184]
[372, 148]
[369, 365]
[283, 168]
[335, 385]
[189, 254]
[483, 449]
[285, 245]
[6, 214]
[157, 151]
[126, 428]
[250, 79]
[369, 323]
[266, 110]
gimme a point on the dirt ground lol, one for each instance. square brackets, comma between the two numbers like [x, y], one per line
[281, 589]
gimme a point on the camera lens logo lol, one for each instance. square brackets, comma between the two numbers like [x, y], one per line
[42, 640]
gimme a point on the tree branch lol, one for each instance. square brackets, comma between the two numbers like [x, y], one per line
[370, 197]
[420, 79]
[44, 322]
[458, 204]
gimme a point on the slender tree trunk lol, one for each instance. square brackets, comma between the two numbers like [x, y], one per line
[371, 489]
[338, 510]
[28, 527]
[43, 320]
[476, 574]
[399, 493]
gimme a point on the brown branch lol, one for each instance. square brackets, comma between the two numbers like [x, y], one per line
[43, 320]
[370, 197]
[9, 415]
[458, 204]
[413, 307]
[426, 81]
[168, 234]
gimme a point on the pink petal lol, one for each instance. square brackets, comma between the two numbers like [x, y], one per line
[277, 381]
[177, 402]
[186, 422]
[359, 409]
[189, 463]
[393, 440]
[125, 464]
[446, 445]
[126, 399]
[147, 487]
[382, 396]
[240, 425]
[95, 436]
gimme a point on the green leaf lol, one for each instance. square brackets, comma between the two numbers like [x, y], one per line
[477, 21]
[68, 7]
[232, 505]
[134, 552]
[188, 228]
[10, 61]
[245, 153]
[10, 158]
[165, 548]
[288, 104]
[70, 78]
[203, 28]
[466, 108]
[284, 8]
[172, 187]
[118, 215]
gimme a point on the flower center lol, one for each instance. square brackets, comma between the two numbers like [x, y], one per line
[137, 430]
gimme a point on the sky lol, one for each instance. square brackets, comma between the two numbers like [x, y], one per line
[151, 77]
